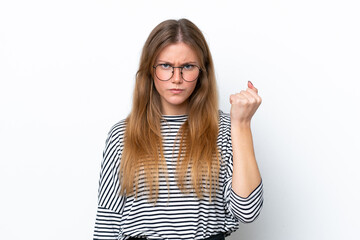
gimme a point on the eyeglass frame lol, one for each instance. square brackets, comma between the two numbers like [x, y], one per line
[181, 72]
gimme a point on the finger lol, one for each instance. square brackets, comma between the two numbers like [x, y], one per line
[250, 97]
[235, 98]
[254, 94]
[242, 97]
[251, 86]
[232, 98]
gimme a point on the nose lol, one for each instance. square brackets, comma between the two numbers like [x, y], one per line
[177, 75]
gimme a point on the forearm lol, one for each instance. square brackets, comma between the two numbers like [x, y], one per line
[246, 176]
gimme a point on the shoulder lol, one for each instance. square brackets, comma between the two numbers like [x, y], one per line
[224, 126]
[114, 142]
[224, 119]
[116, 132]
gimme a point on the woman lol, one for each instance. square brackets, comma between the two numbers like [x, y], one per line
[177, 167]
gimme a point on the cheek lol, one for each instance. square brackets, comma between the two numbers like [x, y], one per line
[157, 84]
[161, 86]
[192, 87]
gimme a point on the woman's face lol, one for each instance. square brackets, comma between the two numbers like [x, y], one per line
[174, 93]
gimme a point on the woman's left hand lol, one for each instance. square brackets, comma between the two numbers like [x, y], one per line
[244, 104]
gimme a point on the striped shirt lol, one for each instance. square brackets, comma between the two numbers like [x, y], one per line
[175, 215]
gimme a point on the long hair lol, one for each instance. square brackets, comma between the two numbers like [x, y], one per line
[199, 157]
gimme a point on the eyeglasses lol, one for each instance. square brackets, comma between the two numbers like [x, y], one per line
[165, 72]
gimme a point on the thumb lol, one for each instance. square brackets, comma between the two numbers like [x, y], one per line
[250, 85]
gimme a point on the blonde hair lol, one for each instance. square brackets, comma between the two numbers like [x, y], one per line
[142, 154]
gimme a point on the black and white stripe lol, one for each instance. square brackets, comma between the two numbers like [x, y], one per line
[175, 215]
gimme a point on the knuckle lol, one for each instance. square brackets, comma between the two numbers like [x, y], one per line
[246, 102]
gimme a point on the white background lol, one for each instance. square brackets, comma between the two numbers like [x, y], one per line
[67, 74]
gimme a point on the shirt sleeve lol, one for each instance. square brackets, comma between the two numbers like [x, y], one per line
[110, 203]
[242, 209]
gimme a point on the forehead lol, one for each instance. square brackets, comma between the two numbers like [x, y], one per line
[178, 52]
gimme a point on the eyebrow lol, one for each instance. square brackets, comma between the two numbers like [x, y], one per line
[186, 62]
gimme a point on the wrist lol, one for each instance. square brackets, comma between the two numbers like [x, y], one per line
[240, 124]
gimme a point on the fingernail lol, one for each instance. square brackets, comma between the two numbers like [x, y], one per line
[252, 85]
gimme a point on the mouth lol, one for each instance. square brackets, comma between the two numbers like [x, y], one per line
[176, 90]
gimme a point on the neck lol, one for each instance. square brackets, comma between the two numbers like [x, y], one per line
[178, 110]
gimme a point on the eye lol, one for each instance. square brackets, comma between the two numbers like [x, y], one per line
[165, 66]
[188, 67]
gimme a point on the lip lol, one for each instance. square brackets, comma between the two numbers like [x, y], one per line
[176, 90]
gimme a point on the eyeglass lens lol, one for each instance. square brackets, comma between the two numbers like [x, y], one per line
[188, 72]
